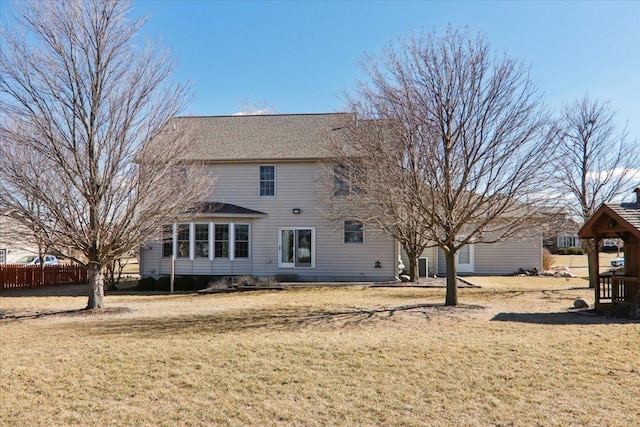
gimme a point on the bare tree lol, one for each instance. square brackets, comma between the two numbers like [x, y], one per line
[82, 104]
[369, 180]
[597, 163]
[451, 143]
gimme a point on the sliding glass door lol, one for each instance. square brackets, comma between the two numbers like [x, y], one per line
[296, 247]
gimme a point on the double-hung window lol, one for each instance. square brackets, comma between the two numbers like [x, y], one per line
[346, 178]
[183, 241]
[221, 241]
[202, 241]
[353, 232]
[267, 184]
[241, 241]
[167, 240]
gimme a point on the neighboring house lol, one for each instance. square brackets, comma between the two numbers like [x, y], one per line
[13, 242]
[563, 231]
[502, 258]
[562, 241]
[264, 217]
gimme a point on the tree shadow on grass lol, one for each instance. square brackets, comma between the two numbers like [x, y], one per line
[590, 317]
[47, 291]
[7, 315]
[281, 320]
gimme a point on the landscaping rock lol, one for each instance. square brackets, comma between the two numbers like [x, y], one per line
[527, 272]
[580, 303]
[564, 274]
[404, 278]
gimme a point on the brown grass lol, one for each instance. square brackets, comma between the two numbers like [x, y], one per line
[512, 354]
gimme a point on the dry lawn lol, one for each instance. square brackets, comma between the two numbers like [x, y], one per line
[578, 264]
[511, 355]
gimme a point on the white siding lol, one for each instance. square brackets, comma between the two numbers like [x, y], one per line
[15, 240]
[429, 253]
[503, 257]
[296, 187]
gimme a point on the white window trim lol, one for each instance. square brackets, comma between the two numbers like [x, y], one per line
[275, 183]
[472, 261]
[232, 241]
[174, 251]
[192, 241]
[211, 241]
[353, 243]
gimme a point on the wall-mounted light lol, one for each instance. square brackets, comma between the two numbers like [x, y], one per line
[297, 211]
[378, 264]
[612, 223]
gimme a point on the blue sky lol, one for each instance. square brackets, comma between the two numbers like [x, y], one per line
[300, 57]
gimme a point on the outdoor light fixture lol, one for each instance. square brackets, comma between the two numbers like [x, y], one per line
[612, 223]
[296, 211]
[378, 264]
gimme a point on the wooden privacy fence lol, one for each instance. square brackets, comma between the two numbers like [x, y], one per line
[34, 276]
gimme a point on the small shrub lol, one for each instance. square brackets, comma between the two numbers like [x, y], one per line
[286, 277]
[164, 284]
[571, 251]
[220, 282]
[547, 259]
[202, 282]
[245, 281]
[255, 282]
[184, 283]
[146, 284]
[266, 282]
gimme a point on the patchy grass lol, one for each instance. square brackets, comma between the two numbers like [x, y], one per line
[511, 355]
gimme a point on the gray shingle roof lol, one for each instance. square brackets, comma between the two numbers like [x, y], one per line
[261, 137]
[630, 212]
[224, 208]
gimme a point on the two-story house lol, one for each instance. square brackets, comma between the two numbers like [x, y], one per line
[265, 216]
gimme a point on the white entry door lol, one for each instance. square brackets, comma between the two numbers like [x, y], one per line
[464, 259]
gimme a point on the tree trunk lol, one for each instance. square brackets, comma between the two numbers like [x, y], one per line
[452, 288]
[96, 286]
[592, 262]
[413, 266]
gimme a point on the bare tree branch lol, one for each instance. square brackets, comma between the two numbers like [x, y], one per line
[597, 163]
[453, 143]
[82, 101]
